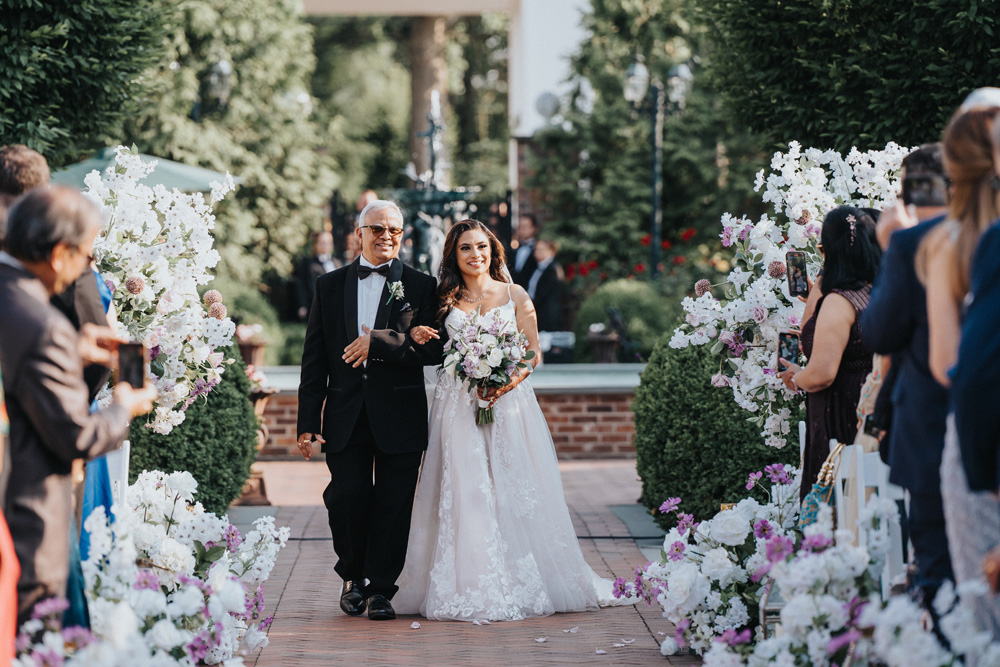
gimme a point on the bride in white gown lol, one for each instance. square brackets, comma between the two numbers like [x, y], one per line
[491, 537]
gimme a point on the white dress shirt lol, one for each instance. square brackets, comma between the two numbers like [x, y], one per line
[369, 293]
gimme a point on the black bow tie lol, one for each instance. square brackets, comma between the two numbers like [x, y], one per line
[365, 271]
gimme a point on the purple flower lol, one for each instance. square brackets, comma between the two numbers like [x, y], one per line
[233, 538]
[753, 478]
[685, 522]
[720, 380]
[681, 630]
[199, 646]
[737, 347]
[266, 623]
[669, 505]
[779, 548]
[763, 529]
[637, 582]
[727, 237]
[676, 551]
[745, 232]
[816, 542]
[620, 588]
[776, 473]
[49, 607]
[146, 579]
[842, 640]
[702, 287]
[77, 636]
[760, 573]
[731, 637]
[759, 314]
[154, 352]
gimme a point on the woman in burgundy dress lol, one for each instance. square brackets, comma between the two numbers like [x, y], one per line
[839, 361]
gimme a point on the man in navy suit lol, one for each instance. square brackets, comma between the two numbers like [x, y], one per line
[895, 323]
[361, 397]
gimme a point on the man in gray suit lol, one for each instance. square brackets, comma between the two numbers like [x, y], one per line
[49, 242]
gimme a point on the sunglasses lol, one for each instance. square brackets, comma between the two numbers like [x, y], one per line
[379, 230]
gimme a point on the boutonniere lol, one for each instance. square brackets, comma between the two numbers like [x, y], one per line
[395, 291]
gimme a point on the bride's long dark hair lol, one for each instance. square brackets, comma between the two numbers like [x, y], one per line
[450, 281]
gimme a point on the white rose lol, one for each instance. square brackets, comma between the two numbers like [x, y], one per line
[730, 527]
[669, 646]
[687, 587]
[186, 602]
[166, 635]
[516, 353]
[717, 565]
[253, 640]
[494, 357]
[483, 370]
[488, 340]
[183, 483]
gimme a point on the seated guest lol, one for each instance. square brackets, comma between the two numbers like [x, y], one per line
[895, 323]
[545, 286]
[49, 243]
[839, 360]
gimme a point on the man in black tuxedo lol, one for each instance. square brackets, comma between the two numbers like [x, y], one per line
[319, 262]
[361, 396]
[522, 260]
[895, 323]
[545, 287]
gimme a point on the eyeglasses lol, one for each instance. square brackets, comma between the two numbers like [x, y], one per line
[379, 230]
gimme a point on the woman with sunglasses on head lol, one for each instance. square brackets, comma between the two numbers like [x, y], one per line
[839, 360]
[491, 536]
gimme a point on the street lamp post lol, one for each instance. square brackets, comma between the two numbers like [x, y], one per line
[678, 85]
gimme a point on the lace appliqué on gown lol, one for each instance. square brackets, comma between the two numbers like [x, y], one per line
[491, 537]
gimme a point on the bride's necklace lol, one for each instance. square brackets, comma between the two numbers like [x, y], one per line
[465, 295]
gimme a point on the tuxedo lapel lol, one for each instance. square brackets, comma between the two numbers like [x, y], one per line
[385, 306]
[351, 301]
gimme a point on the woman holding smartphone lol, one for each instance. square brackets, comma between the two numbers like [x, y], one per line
[839, 360]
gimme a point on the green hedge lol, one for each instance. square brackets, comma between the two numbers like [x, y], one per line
[216, 442]
[647, 314]
[691, 439]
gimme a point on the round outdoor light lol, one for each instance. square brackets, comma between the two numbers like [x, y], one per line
[547, 105]
[679, 82]
[636, 82]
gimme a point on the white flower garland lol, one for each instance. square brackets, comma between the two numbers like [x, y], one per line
[153, 253]
[803, 186]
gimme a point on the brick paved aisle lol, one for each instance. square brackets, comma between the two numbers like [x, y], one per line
[310, 629]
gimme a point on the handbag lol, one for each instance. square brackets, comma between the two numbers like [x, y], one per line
[822, 490]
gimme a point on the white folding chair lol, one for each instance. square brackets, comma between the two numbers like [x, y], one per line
[118, 473]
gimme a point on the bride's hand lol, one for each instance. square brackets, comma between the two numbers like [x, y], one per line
[492, 394]
[421, 334]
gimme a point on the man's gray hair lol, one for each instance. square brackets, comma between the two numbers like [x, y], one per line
[45, 217]
[378, 205]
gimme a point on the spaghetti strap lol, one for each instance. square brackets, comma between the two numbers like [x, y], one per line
[509, 297]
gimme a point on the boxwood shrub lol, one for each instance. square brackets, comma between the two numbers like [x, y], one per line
[691, 439]
[645, 312]
[216, 442]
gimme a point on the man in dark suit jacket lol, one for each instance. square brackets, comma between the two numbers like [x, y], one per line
[362, 398]
[49, 243]
[545, 287]
[522, 261]
[895, 323]
[319, 262]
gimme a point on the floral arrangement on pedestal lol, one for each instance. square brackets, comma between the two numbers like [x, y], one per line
[170, 584]
[713, 575]
[743, 325]
[154, 251]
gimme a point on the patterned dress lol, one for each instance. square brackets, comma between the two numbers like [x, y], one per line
[831, 412]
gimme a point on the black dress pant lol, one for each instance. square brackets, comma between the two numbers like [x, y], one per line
[369, 500]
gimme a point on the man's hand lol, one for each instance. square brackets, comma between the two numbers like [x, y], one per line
[893, 218]
[96, 344]
[357, 352]
[136, 401]
[305, 444]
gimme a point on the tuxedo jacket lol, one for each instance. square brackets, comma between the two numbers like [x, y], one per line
[524, 275]
[50, 426]
[548, 299]
[306, 275]
[895, 323]
[391, 385]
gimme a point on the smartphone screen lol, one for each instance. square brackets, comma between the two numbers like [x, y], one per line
[131, 364]
[795, 269]
[925, 190]
[788, 348]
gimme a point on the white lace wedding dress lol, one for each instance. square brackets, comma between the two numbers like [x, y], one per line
[491, 537]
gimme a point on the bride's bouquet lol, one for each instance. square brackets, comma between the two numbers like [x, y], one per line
[486, 350]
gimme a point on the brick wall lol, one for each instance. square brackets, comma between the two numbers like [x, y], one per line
[583, 425]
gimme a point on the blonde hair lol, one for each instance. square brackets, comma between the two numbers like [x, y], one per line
[973, 204]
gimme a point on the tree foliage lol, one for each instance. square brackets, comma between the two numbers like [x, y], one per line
[691, 440]
[854, 73]
[593, 165]
[70, 71]
[265, 133]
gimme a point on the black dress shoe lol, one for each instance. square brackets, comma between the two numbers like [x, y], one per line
[352, 598]
[380, 609]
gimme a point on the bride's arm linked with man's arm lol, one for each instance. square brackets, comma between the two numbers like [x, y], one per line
[398, 347]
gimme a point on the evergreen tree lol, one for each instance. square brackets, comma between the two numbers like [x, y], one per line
[70, 71]
[592, 165]
[855, 73]
[231, 94]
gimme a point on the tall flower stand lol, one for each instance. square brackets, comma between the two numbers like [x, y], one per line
[254, 492]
